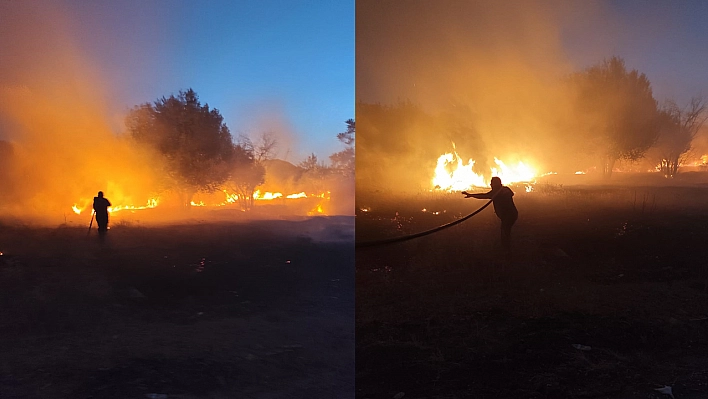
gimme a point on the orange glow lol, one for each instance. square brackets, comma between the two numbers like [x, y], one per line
[151, 203]
[452, 174]
[230, 198]
[317, 211]
[266, 196]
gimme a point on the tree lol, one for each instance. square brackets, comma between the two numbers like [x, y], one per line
[315, 173]
[246, 176]
[679, 127]
[263, 149]
[310, 163]
[249, 175]
[618, 112]
[343, 161]
[193, 140]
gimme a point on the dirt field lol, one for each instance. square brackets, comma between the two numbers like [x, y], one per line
[605, 296]
[260, 309]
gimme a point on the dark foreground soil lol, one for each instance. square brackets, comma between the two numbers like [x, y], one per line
[605, 296]
[250, 310]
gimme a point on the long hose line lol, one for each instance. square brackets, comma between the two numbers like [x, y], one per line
[422, 233]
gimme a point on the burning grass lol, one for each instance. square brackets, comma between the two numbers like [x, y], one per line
[620, 270]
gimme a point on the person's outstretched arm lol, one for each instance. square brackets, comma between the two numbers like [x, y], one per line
[487, 195]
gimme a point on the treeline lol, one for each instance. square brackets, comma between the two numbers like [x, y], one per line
[193, 150]
[594, 118]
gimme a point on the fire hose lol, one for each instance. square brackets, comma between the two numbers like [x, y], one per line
[422, 233]
[91, 224]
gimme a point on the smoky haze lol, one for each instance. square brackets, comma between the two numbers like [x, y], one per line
[489, 76]
[58, 114]
[53, 112]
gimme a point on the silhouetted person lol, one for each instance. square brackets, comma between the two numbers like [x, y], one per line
[100, 206]
[503, 206]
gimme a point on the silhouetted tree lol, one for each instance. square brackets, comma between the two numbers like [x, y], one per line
[315, 173]
[343, 161]
[193, 140]
[248, 176]
[619, 114]
[679, 127]
[310, 163]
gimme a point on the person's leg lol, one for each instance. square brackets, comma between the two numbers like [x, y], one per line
[506, 233]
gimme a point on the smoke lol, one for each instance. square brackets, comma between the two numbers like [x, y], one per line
[270, 118]
[53, 113]
[66, 138]
[486, 75]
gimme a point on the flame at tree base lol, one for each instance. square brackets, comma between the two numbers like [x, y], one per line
[452, 174]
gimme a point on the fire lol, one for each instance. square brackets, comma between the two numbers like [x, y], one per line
[317, 211]
[452, 174]
[266, 196]
[151, 203]
[229, 199]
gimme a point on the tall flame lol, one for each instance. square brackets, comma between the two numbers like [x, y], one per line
[452, 174]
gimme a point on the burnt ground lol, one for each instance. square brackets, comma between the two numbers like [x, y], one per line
[259, 309]
[605, 296]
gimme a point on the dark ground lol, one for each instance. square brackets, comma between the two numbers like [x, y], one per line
[216, 310]
[623, 272]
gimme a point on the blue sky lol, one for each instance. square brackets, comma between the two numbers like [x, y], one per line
[286, 66]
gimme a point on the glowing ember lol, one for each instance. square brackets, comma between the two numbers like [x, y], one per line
[200, 203]
[298, 195]
[452, 174]
[579, 172]
[316, 211]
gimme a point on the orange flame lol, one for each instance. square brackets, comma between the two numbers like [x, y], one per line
[452, 174]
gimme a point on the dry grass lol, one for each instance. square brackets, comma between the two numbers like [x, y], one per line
[591, 266]
[209, 311]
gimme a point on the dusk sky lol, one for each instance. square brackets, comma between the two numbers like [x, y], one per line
[498, 69]
[285, 66]
[666, 40]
